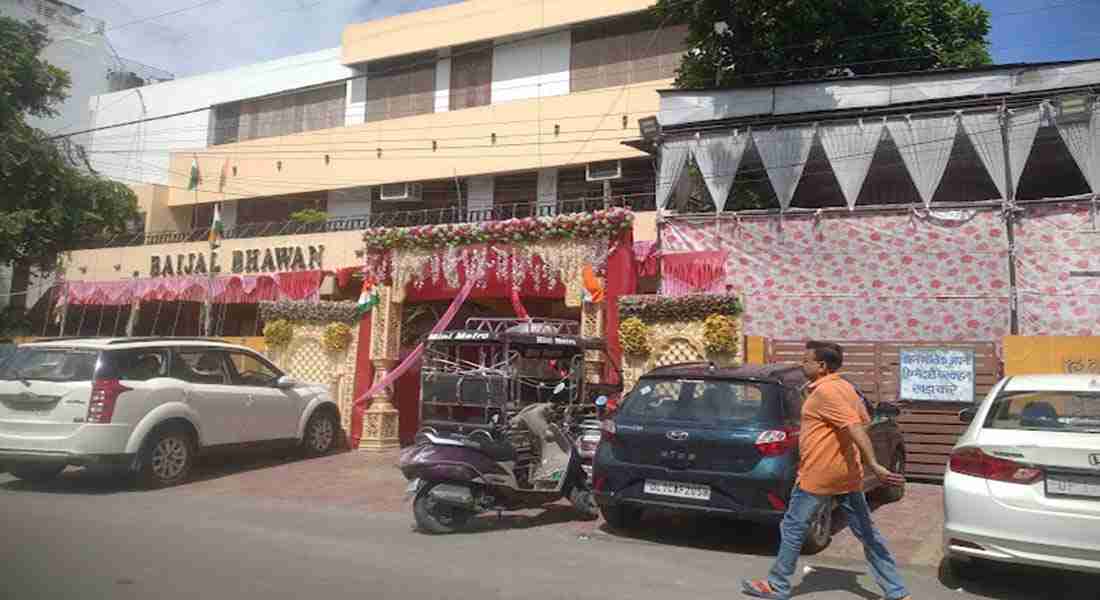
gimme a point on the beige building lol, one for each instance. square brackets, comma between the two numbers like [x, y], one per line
[480, 110]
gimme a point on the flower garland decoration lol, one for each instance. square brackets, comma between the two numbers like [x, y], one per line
[278, 333]
[634, 336]
[309, 312]
[719, 334]
[336, 337]
[683, 308]
[602, 223]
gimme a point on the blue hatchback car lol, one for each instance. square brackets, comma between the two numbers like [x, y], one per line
[699, 438]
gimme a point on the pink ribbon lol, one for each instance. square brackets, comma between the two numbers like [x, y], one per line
[414, 356]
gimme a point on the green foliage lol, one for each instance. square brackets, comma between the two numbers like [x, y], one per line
[634, 337]
[278, 333]
[309, 216]
[48, 195]
[783, 40]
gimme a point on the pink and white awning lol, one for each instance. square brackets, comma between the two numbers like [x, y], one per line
[232, 289]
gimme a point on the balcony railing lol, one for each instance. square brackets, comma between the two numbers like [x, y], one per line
[399, 218]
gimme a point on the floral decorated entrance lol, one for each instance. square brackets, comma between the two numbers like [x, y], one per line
[585, 260]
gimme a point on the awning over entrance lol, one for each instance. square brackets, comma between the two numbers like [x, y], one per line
[233, 289]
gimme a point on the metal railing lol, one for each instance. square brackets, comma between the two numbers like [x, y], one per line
[396, 218]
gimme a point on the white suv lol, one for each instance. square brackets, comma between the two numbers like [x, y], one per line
[150, 405]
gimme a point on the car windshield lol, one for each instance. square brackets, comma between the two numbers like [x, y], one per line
[703, 401]
[1077, 412]
[50, 364]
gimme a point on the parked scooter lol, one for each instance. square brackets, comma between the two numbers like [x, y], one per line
[588, 438]
[531, 463]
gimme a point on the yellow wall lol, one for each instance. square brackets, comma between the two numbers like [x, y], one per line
[590, 124]
[100, 264]
[152, 199]
[645, 226]
[755, 350]
[1051, 355]
[472, 21]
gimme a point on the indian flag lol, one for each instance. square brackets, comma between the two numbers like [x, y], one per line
[368, 298]
[195, 179]
[217, 229]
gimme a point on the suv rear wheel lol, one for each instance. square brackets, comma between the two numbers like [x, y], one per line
[820, 532]
[167, 458]
[37, 473]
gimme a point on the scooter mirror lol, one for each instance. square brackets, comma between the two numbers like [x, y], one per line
[558, 388]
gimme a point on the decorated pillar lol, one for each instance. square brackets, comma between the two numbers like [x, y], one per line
[592, 326]
[381, 422]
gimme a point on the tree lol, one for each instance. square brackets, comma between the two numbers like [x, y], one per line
[767, 41]
[49, 196]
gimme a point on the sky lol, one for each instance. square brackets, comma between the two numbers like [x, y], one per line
[222, 34]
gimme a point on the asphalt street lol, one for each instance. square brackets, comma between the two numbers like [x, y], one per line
[89, 539]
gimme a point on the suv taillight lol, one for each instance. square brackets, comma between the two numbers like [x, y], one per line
[974, 462]
[105, 394]
[777, 442]
[607, 430]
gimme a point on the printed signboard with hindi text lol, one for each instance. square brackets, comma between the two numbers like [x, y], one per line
[936, 374]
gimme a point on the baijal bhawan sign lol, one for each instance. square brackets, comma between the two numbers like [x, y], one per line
[251, 260]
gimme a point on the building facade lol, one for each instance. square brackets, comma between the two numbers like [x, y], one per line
[482, 140]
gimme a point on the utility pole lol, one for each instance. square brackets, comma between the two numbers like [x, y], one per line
[1010, 234]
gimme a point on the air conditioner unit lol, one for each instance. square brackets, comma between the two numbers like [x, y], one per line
[603, 171]
[401, 192]
[1073, 109]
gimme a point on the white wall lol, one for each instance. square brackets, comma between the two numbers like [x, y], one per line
[140, 153]
[443, 85]
[534, 68]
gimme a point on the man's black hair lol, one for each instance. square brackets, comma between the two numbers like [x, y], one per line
[829, 353]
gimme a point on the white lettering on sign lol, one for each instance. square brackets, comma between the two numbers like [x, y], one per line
[936, 374]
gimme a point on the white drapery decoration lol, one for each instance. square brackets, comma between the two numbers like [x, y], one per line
[784, 152]
[850, 148]
[1080, 137]
[719, 156]
[674, 154]
[984, 131]
[925, 145]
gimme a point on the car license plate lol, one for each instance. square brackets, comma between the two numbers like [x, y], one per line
[1082, 486]
[690, 491]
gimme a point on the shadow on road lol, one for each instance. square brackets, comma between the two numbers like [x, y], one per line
[552, 514]
[1018, 582]
[830, 579]
[100, 480]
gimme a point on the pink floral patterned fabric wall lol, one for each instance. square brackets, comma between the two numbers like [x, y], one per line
[1054, 242]
[860, 276]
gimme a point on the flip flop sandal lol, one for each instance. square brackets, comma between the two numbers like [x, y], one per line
[759, 588]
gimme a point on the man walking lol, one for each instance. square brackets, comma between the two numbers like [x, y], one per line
[833, 448]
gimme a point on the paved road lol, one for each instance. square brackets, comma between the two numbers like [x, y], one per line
[224, 538]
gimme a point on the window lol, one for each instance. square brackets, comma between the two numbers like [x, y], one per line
[134, 365]
[50, 364]
[702, 401]
[294, 112]
[471, 76]
[1076, 412]
[401, 87]
[623, 51]
[250, 370]
[202, 365]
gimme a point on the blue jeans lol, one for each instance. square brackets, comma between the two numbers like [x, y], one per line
[800, 513]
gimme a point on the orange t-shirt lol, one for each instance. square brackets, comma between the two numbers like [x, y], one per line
[830, 463]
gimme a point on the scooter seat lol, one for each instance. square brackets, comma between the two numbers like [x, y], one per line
[499, 451]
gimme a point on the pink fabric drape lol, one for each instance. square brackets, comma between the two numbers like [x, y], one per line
[414, 356]
[684, 272]
[233, 289]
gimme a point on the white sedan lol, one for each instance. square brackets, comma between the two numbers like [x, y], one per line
[1023, 482]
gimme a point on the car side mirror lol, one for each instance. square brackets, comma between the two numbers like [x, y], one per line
[285, 382]
[888, 410]
[967, 415]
